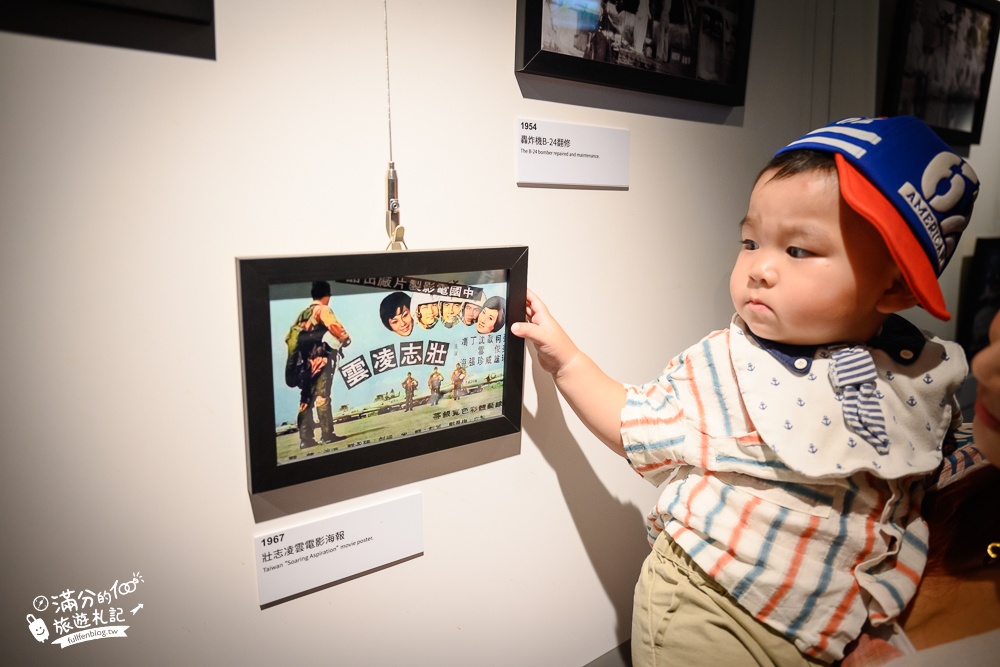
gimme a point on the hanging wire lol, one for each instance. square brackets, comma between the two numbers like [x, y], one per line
[392, 226]
[388, 96]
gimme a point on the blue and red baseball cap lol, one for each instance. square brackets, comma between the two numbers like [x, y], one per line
[900, 176]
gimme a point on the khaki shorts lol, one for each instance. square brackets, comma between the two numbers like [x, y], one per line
[681, 616]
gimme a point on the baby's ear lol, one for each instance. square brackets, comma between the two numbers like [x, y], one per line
[896, 298]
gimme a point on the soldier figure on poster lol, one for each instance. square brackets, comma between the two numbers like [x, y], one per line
[434, 384]
[409, 386]
[457, 377]
[310, 364]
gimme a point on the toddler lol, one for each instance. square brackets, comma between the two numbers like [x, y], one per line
[793, 446]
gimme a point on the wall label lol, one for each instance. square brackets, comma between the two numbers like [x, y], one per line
[307, 555]
[562, 154]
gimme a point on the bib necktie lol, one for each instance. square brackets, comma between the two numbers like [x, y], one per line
[853, 375]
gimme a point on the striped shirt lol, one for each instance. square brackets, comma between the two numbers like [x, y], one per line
[811, 539]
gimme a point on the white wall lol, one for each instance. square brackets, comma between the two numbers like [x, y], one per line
[129, 182]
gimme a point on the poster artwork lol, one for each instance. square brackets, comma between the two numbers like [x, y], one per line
[360, 362]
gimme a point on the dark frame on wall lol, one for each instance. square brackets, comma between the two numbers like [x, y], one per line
[980, 297]
[400, 319]
[941, 63]
[684, 48]
[176, 27]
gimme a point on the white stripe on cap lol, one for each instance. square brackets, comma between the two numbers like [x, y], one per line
[863, 135]
[847, 147]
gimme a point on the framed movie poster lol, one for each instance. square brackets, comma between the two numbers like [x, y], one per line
[941, 64]
[697, 50]
[355, 360]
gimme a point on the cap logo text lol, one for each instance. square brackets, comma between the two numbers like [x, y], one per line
[926, 217]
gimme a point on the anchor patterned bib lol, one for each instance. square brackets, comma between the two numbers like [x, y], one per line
[799, 414]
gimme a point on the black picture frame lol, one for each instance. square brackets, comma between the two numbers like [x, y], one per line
[176, 27]
[941, 64]
[380, 427]
[980, 296]
[692, 50]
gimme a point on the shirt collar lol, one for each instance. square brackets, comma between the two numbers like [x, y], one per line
[898, 338]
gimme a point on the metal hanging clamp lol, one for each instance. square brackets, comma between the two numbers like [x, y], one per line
[392, 226]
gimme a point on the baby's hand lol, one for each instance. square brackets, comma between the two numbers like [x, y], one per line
[986, 368]
[555, 349]
[595, 398]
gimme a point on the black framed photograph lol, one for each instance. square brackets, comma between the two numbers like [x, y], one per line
[178, 27]
[941, 64]
[356, 360]
[696, 50]
[980, 297]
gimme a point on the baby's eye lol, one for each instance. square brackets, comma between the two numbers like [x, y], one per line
[798, 253]
[749, 244]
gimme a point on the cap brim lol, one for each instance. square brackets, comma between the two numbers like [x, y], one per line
[904, 247]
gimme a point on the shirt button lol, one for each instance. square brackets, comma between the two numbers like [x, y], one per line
[906, 354]
[801, 364]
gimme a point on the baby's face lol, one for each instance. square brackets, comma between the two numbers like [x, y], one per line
[810, 271]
